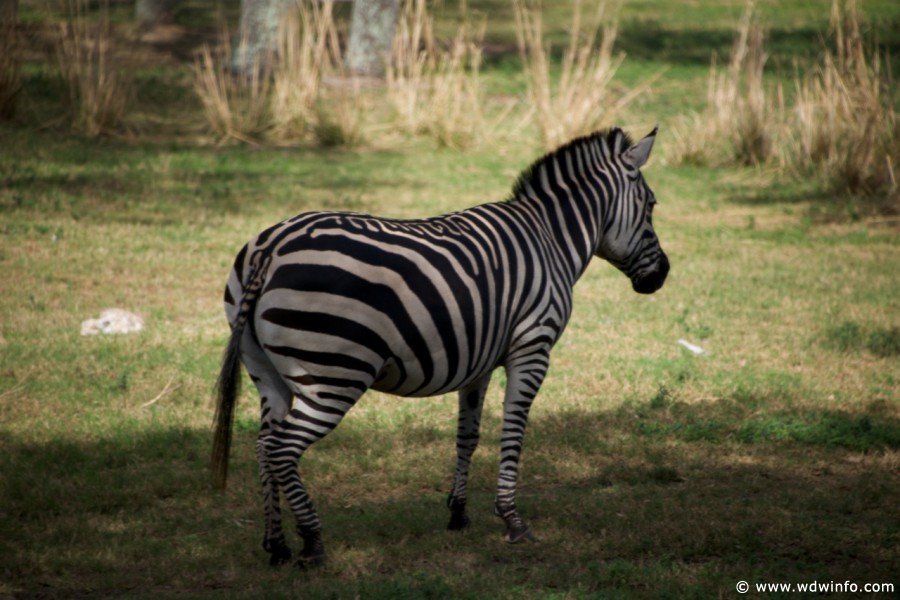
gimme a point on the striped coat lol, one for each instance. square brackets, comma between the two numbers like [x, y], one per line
[326, 305]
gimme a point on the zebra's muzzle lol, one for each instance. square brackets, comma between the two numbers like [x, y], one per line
[647, 282]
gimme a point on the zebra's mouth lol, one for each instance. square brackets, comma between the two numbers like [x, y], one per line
[649, 281]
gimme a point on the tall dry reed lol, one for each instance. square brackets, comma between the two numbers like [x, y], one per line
[841, 126]
[582, 100]
[99, 90]
[283, 99]
[412, 60]
[308, 48]
[236, 106]
[741, 116]
[435, 91]
[845, 125]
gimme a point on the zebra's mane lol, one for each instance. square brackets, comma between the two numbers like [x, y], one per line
[614, 139]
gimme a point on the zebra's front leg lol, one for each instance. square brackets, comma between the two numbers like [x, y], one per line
[524, 378]
[471, 401]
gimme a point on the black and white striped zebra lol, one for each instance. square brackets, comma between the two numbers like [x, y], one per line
[326, 305]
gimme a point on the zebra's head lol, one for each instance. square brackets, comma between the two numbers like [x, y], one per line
[627, 240]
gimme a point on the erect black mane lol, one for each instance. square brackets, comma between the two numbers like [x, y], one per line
[610, 137]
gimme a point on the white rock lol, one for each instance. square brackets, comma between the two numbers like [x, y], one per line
[113, 320]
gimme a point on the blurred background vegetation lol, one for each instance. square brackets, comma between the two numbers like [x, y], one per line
[805, 90]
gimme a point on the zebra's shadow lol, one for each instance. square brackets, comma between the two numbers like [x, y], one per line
[635, 483]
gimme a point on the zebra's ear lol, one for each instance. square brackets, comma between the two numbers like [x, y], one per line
[638, 154]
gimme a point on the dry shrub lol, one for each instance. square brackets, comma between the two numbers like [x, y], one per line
[845, 124]
[235, 106]
[582, 100]
[99, 90]
[739, 119]
[435, 91]
[305, 92]
[455, 106]
[282, 99]
[412, 59]
[10, 70]
[340, 113]
[841, 127]
[307, 49]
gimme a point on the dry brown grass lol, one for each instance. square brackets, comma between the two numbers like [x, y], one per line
[283, 99]
[434, 91]
[340, 114]
[582, 101]
[455, 107]
[99, 90]
[430, 91]
[845, 124]
[412, 57]
[740, 114]
[842, 126]
[308, 49]
[235, 106]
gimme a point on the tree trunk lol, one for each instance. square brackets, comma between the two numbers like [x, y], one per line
[150, 13]
[258, 33]
[371, 35]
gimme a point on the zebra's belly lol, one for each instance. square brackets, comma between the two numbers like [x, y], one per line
[330, 338]
[392, 379]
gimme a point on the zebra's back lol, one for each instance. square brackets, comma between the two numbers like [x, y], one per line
[413, 308]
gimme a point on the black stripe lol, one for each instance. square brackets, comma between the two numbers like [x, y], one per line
[318, 322]
[239, 265]
[331, 359]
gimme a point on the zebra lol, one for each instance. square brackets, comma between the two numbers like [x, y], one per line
[326, 305]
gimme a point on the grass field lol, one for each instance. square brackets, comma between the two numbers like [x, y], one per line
[648, 472]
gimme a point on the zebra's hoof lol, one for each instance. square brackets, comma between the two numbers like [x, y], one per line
[517, 535]
[458, 521]
[313, 554]
[279, 554]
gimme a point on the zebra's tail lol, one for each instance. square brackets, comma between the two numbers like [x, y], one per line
[227, 387]
[229, 383]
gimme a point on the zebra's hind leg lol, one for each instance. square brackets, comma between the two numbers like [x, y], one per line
[308, 421]
[471, 401]
[273, 540]
[275, 399]
[282, 453]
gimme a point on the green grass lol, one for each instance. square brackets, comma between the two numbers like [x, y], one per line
[648, 472]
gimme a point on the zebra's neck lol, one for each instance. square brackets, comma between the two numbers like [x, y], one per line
[566, 194]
